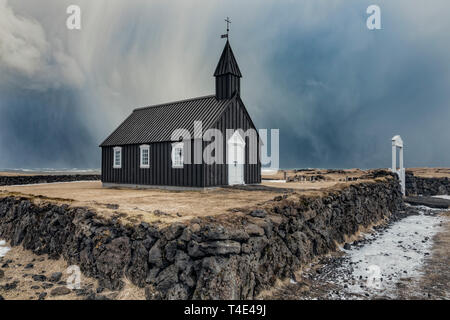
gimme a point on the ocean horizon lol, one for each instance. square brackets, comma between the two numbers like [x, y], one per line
[51, 170]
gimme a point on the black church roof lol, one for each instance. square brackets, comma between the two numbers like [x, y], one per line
[157, 123]
[227, 63]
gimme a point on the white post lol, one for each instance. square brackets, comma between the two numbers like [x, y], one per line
[394, 157]
[401, 158]
[402, 171]
[397, 142]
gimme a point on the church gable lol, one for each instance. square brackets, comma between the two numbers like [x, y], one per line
[235, 116]
[140, 151]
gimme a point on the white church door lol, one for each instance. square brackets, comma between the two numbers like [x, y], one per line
[236, 159]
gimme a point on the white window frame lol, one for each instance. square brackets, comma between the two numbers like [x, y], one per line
[115, 165]
[143, 148]
[176, 161]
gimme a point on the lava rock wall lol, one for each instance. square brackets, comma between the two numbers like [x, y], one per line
[416, 186]
[21, 180]
[232, 256]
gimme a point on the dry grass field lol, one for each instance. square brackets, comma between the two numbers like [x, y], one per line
[338, 174]
[431, 172]
[166, 206]
[148, 205]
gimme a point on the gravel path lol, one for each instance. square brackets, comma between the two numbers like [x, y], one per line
[407, 259]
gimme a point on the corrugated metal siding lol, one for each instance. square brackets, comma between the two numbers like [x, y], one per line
[160, 172]
[227, 85]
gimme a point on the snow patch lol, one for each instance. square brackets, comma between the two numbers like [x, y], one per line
[390, 255]
[3, 248]
[447, 197]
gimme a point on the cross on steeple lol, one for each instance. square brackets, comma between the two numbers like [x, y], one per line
[228, 21]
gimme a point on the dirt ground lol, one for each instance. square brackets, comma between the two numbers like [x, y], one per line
[328, 179]
[431, 172]
[331, 175]
[166, 206]
[339, 174]
[20, 268]
[307, 186]
[148, 205]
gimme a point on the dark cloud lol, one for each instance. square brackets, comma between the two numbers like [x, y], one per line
[45, 130]
[343, 91]
[337, 91]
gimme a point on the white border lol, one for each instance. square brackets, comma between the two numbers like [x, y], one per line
[117, 149]
[141, 148]
[177, 145]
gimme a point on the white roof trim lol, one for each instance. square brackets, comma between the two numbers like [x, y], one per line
[236, 138]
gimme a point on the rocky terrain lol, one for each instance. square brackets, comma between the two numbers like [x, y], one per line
[426, 186]
[430, 202]
[27, 276]
[229, 256]
[9, 180]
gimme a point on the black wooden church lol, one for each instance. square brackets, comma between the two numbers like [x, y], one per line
[141, 152]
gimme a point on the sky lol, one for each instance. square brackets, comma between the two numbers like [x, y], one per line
[336, 90]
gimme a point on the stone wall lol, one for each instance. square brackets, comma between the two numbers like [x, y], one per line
[426, 186]
[232, 256]
[21, 180]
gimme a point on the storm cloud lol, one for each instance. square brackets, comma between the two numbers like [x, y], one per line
[337, 91]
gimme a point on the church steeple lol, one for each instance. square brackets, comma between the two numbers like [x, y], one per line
[227, 74]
